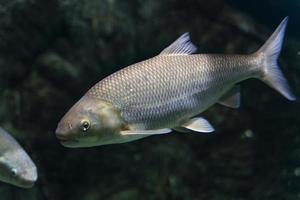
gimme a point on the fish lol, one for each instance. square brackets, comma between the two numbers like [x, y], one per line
[16, 167]
[168, 92]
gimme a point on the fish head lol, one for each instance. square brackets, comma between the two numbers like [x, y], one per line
[90, 122]
[17, 168]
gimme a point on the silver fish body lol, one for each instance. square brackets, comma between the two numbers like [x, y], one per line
[167, 92]
[164, 91]
[16, 167]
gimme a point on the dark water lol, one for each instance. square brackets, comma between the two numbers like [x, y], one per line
[52, 52]
[268, 12]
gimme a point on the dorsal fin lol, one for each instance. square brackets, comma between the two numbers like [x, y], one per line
[181, 46]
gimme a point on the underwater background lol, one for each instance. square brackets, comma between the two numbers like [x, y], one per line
[53, 51]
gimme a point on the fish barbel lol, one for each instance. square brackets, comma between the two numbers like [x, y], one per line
[16, 167]
[167, 92]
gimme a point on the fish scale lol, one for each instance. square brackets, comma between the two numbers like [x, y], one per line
[167, 89]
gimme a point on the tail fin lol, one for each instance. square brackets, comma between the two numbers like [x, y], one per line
[272, 74]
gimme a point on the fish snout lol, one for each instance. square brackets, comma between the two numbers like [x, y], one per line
[61, 132]
[64, 134]
[27, 183]
[29, 179]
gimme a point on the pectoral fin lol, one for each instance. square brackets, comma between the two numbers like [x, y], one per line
[231, 98]
[146, 132]
[198, 124]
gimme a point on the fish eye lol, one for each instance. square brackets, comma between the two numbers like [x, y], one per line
[85, 125]
[14, 172]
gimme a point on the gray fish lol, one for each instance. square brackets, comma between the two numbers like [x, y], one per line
[16, 167]
[167, 92]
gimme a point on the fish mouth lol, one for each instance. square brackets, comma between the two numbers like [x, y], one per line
[27, 184]
[69, 143]
[66, 140]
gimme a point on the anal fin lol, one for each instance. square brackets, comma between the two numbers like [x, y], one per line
[232, 98]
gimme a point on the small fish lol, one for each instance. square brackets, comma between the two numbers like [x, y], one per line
[167, 91]
[16, 167]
